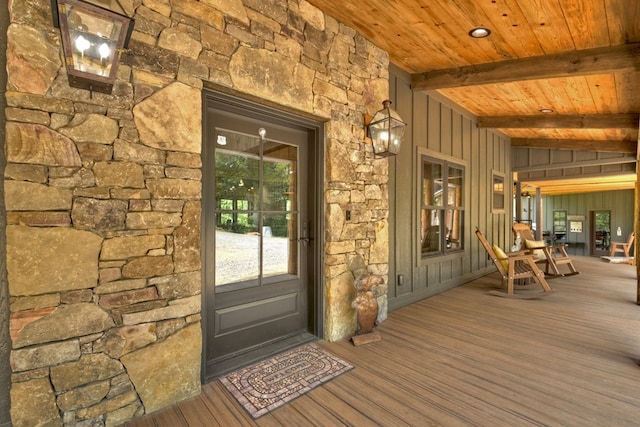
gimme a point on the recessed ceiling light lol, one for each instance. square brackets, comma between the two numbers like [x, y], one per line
[546, 110]
[479, 32]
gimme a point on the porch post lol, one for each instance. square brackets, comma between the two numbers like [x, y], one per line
[636, 218]
[636, 228]
[518, 201]
[539, 214]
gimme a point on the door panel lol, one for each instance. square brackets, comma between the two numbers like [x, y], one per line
[257, 197]
[235, 318]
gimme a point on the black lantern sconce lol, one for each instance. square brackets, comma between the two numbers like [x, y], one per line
[92, 39]
[386, 130]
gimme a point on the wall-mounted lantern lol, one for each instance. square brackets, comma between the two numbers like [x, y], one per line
[92, 39]
[386, 130]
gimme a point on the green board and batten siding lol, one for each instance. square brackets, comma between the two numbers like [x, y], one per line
[619, 203]
[436, 126]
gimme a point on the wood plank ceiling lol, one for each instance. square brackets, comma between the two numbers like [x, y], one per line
[578, 58]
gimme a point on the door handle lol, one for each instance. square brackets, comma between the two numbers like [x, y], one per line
[306, 241]
[304, 235]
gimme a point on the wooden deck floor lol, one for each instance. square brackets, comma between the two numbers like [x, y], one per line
[465, 358]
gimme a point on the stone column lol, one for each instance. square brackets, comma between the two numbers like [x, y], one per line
[5, 346]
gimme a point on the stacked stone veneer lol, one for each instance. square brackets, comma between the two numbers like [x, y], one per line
[103, 194]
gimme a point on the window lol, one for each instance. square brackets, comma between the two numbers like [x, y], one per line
[559, 225]
[497, 191]
[441, 206]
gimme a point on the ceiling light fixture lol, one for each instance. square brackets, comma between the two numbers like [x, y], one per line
[479, 32]
[546, 110]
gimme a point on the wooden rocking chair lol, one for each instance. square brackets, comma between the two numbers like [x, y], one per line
[623, 247]
[550, 255]
[516, 266]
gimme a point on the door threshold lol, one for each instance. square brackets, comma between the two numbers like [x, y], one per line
[223, 366]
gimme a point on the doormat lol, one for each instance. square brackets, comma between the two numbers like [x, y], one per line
[267, 385]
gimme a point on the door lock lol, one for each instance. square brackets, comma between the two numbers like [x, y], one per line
[305, 241]
[304, 235]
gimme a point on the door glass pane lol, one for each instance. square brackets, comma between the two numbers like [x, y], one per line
[279, 244]
[237, 256]
[237, 180]
[237, 173]
[280, 222]
[257, 224]
[603, 230]
[280, 192]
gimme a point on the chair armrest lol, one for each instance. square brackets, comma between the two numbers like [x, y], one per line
[522, 257]
[517, 253]
[538, 247]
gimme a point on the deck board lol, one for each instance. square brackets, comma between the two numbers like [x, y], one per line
[464, 358]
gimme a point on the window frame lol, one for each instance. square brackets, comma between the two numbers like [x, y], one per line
[446, 162]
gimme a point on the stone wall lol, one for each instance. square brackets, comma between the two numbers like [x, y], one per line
[5, 343]
[103, 194]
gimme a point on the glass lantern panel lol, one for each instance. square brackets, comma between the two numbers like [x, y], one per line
[397, 133]
[94, 40]
[380, 138]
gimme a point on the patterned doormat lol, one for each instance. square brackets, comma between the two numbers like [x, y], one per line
[267, 385]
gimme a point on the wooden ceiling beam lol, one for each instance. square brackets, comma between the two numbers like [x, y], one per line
[576, 144]
[600, 121]
[585, 188]
[577, 63]
[553, 186]
[611, 161]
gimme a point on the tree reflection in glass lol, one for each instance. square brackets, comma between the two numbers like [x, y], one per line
[256, 202]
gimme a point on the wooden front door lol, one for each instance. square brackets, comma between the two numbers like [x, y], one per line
[258, 250]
